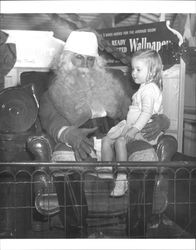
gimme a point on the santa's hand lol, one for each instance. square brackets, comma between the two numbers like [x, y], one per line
[78, 140]
[159, 124]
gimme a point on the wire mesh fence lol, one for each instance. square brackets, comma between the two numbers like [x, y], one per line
[74, 200]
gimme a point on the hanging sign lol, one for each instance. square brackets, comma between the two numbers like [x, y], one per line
[132, 38]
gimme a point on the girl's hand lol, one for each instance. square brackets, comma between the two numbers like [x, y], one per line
[131, 133]
[124, 131]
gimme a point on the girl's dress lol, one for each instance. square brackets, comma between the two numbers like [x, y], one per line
[146, 102]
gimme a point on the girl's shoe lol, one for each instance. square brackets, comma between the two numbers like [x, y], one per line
[121, 187]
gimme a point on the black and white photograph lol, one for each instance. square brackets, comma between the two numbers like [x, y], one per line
[97, 124]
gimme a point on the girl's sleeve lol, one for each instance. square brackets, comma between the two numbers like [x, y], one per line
[147, 105]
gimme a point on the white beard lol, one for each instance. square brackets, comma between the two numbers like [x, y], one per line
[80, 92]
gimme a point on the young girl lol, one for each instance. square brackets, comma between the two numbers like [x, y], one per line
[147, 72]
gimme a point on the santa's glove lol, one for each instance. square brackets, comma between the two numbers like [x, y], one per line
[160, 123]
[78, 139]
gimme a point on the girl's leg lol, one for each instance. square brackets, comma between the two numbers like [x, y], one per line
[107, 154]
[107, 149]
[121, 183]
[121, 149]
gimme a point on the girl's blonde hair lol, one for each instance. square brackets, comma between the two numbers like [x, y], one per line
[155, 65]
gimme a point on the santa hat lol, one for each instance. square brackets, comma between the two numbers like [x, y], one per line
[82, 42]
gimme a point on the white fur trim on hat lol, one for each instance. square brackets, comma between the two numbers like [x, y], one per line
[82, 42]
